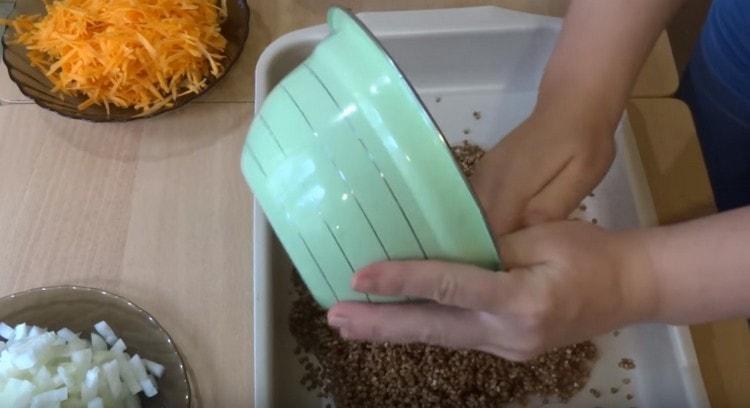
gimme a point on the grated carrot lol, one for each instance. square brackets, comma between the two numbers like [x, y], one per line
[142, 54]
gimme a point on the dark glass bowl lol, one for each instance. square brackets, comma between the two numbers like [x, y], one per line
[36, 86]
[79, 308]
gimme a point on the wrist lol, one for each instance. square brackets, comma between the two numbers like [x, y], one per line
[638, 281]
[587, 109]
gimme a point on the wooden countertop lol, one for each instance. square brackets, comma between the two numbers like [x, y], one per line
[673, 164]
[157, 210]
[154, 210]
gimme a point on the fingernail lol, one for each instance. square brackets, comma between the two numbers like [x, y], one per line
[344, 333]
[336, 320]
[362, 283]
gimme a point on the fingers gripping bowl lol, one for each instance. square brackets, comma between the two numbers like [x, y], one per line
[351, 169]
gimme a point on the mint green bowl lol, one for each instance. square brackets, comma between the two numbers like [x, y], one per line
[350, 169]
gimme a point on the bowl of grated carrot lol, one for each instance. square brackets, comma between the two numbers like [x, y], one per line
[119, 60]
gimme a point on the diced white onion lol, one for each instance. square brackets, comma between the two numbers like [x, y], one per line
[6, 331]
[21, 331]
[43, 379]
[132, 401]
[154, 368]
[98, 343]
[60, 369]
[119, 346]
[50, 397]
[95, 403]
[127, 375]
[112, 372]
[67, 335]
[66, 376]
[81, 358]
[90, 384]
[17, 393]
[149, 387]
[35, 331]
[105, 331]
[138, 368]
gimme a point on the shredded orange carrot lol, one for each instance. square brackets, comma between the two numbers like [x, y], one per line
[127, 53]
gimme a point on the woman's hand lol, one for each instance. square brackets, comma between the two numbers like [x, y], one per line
[542, 170]
[568, 281]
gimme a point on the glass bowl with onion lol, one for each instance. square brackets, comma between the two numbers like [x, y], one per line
[84, 347]
[120, 60]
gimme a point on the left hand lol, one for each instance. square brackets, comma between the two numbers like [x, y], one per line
[542, 170]
[567, 282]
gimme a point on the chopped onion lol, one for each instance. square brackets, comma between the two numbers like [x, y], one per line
[66, 377]
[119, 346]
[17, 393]
[138, 368]
[50, 397]
[149, 387]
[95, 403]
[40, 369]
[128, 377]
[82, 358]
[105, 331]
[112, 372]
[67, 335]
[21, 331]
[132, 402]
[97, 343]
[43, 379]
[35, 331]
[154, 368]
[90, 384]
[6, 331]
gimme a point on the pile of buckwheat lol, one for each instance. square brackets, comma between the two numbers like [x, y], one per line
[361, 374]
[468, 155]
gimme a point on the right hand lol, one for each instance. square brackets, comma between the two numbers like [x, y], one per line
[566, 282]
[542, 170]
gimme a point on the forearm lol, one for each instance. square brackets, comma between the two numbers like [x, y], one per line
[601, 49]
[701, 269]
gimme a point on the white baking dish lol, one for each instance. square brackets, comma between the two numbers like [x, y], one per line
[489, 60]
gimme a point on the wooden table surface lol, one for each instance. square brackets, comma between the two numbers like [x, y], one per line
[680, 188]
[157, 210]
